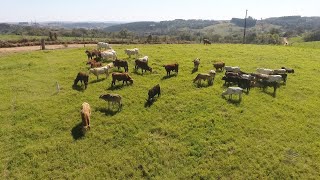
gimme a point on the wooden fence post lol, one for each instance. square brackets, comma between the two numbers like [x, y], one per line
[43, 46]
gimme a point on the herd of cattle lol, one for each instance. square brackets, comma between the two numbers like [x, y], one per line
[234, 79]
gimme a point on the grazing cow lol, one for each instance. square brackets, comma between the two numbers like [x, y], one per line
[233, 90]
[153, 91]
[85, 115]
[203, 76]
[121, 63]
[124, 77]
[94, 64]
[110, 54]
[134, 51]
[235, 69]
[104, 45]
[264, 71]
[101, 70]
[206, 41]
[196, 63]
[82, 77]
[288, 70]
[171, 67]
[219, 66]
[143, 65]
[113, 98]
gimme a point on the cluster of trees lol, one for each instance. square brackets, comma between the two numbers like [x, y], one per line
[313, 36]
[240, 22]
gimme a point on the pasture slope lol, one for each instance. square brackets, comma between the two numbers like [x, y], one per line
[190, 132]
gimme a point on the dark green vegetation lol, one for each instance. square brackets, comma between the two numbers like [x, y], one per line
[264, 31]
[189, 132]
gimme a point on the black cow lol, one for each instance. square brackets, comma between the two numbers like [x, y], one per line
[82, 77]
[143, 65]
[121, 63]
[154, 91]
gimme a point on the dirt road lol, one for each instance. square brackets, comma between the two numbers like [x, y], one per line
[35, 48]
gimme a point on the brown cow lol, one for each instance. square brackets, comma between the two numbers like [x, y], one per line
[124, 77]
[82, 77]
[203, 76]
[94, 64]
[171, 67]
[91, 54]
[143, 65]
[219, 66]
[85, 115]
[113, 98]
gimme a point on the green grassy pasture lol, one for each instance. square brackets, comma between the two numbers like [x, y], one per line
[189, 132]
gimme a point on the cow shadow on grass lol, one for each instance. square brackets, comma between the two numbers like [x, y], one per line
[97, 80]
[235, 102]
[150, 102]
[117, 87]
[170, 76]
[203, 85]
[78, 88]
[108, 112]
[77, 132]
[272, 94]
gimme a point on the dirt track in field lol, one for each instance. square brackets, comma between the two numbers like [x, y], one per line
[36, 48]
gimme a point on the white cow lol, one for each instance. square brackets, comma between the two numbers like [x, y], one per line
[109, 54]
[134, 51]
[264, 71]
[235, 69]
[144, 59]
[279, 71]
[101, 70]
[104, 45]
[233, 90]
[275, 78]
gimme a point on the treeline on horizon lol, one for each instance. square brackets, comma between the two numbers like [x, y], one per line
[180, 31]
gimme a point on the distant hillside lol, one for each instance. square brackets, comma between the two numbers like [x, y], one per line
[162, 27]
[289, 22]
[85, 25]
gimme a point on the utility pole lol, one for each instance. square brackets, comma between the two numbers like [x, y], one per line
[245, 27]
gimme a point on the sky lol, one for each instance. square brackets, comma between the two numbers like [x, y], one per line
[151, 10]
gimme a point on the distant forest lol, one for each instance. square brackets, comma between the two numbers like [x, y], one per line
[267, 31]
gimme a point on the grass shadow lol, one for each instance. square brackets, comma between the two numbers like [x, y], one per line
[232, 101]
[77, 132]
[203, 85]
[78, 88]
[170, 76]
[272, 94]
[107, 112]
[149, 103]
[97, 80]
[117, 87]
